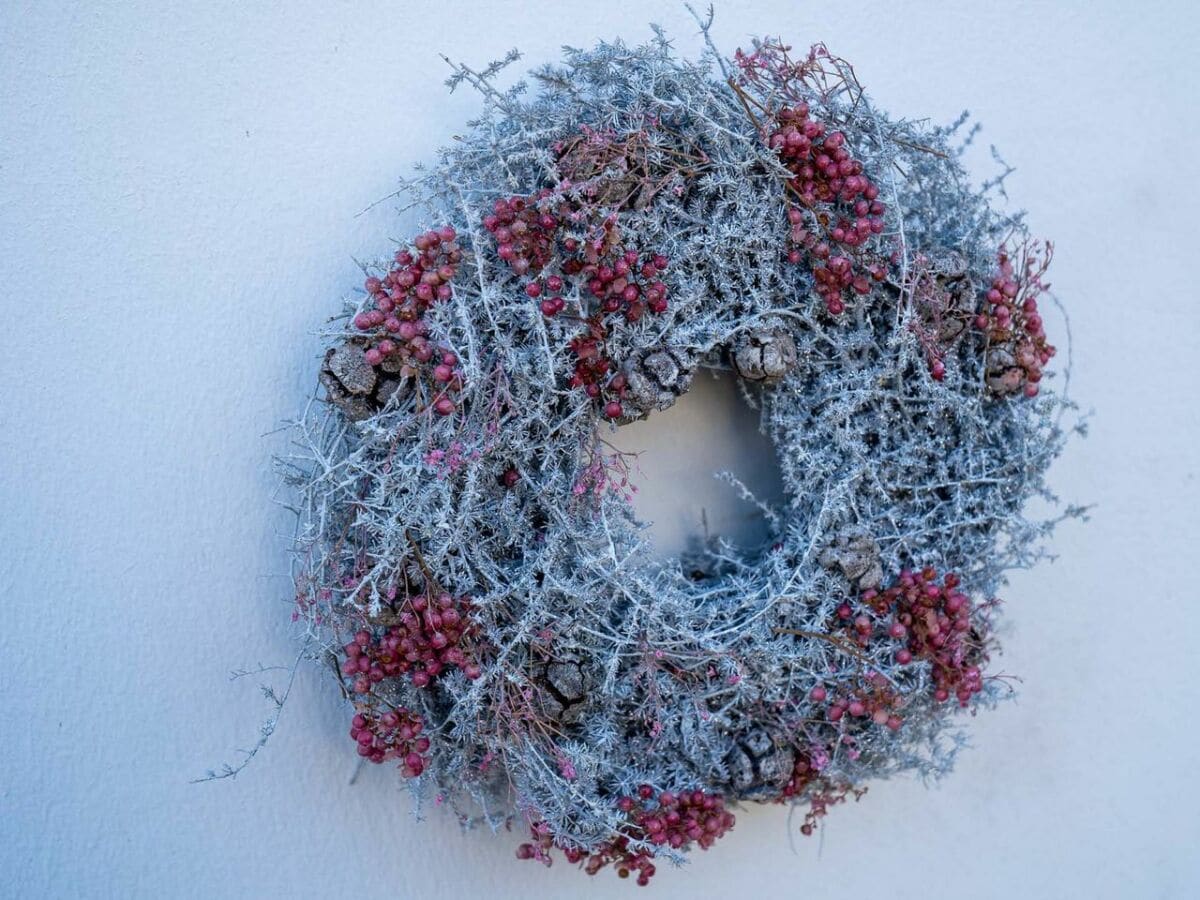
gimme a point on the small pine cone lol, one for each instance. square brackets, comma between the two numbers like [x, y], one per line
[759, 768]
[348, 364]
[356, 387]
[563, 688]
[1002, 374]
[765, 355]
[656, 378]
[857, 556]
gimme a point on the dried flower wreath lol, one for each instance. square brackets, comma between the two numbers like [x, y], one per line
[469, 563]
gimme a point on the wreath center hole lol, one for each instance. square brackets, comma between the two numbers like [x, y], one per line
[709, 430]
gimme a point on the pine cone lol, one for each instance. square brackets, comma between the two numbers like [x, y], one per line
[857, 556]
[356, 387]
[758, 766]
[563, 688]
[657, 377]
[765, 355]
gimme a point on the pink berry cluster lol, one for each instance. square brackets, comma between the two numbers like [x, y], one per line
[872, 700]
[623, 283]
[417, 279]
[1012, 323]
[837, 210]
[678, 820]
[434, 633]
[395, 734]
[933, 622]
[621, 280]
[592, 362]
[615, 852]
[525, 232]
[593, 366]
[669, 820]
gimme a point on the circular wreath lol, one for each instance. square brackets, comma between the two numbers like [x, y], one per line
[470, 562]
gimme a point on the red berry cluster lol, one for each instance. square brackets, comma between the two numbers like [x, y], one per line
[417, 279]
[624, 284]
[676, 820]
[396, 734]
[525, 233]
[615, 852]
[874, 699]
[433, 634]
[622, 280]
[934, 621]
[1011, 321]
[592, 368]
[670, 820]
[837, 211]
[618, 277]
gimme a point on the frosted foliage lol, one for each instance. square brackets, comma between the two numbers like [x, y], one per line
[601, 667]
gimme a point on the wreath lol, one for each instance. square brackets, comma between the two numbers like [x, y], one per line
[469, 562]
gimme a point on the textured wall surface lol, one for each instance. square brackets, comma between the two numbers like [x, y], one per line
[180, 198]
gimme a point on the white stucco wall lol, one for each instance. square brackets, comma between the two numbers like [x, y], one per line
[179, 195]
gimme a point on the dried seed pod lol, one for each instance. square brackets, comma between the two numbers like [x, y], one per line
[758, 766]
[656, 378]
[354, 406]
[764, 355]
[563, 688]
[857, 557]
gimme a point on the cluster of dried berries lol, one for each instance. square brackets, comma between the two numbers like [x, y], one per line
[397, 334]
[620, 280]
[433, 634]
[669, 820]
[618, 277]
[872, 700]
[933, 622]
[1017, 347]
[559, 241]
[525, 231]
[836, 211]
[616, 852]
[395, 734]
[623, 284]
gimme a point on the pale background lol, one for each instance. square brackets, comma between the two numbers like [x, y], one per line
[179, 190]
